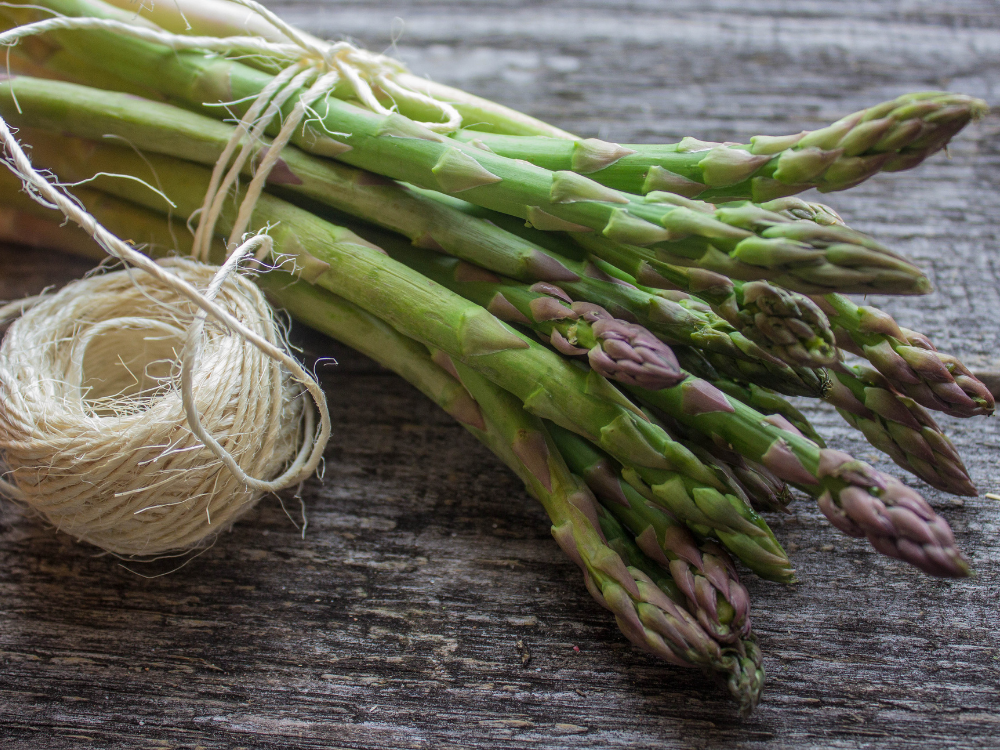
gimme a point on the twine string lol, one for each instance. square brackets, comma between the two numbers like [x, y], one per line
[248, 131]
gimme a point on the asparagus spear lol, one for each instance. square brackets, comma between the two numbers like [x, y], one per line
[785, 324]
[748, 241]
[223, 18]
[428, 223]
[570, 324]
[934, 380]
[748, 679]
[702, 571]
[899, 427]
[616, 349]
[549, 385]
[710, 366]
[856, 498]
[907, 359]
[789, 324]
[889, 137]
[746, 479]
[165, 129]
[651, 621]
[767, 401]
[577, 329]
[765, 490]
[497, 419]
[492, 117]
[584, 403]
[587, 404]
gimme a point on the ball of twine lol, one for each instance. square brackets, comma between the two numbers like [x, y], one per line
[93, 426]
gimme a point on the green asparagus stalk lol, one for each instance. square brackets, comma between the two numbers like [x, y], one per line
[428, 223]
[765, 490]
[749, 678]
[614, 348]
[223, 18]
[797, 208]
[161, 128]
[710, 366]
[907, 359]
[549, 385]
[702, 571]
[470, 332]
[899, 427]
[856, 498]
[744, 478]
[786, 325]
[570, 325]
[889, 137]
[767, 401]
[649, 619]
[748, 241]
[934, 380]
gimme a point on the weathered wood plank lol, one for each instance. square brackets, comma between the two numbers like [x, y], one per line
[394, 622]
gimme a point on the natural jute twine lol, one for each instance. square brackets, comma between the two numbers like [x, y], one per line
[93, 427]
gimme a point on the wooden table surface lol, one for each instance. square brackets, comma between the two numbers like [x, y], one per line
[395, 621]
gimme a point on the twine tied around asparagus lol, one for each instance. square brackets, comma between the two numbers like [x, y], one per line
[362, 71]
[131, 462]
[307, 62]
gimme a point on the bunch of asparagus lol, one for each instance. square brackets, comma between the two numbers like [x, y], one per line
[619, 324]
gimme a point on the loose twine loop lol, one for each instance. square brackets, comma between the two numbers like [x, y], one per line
[128, 421]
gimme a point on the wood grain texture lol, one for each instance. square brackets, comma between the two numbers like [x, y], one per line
[394, 622]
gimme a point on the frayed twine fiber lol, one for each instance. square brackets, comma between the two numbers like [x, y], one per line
[92, 421]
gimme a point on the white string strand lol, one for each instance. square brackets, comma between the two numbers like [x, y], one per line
[319, 90]
[208, 215]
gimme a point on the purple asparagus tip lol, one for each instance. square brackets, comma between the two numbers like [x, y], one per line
[895, 518]
[628, 353]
